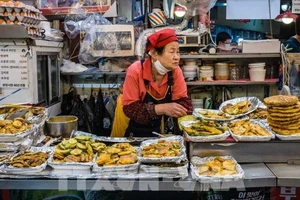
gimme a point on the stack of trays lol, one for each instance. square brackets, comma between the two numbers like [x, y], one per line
[284, 115]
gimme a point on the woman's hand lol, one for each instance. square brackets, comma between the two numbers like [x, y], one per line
[170, 109]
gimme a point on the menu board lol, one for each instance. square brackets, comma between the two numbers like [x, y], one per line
[13, 67]
[296, 6]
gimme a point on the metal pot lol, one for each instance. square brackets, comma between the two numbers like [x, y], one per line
[61, 126]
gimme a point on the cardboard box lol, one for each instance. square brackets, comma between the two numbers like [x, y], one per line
[261, 46]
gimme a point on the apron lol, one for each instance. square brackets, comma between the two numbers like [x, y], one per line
[145, 130]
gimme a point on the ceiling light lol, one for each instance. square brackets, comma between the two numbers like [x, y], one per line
[179, 11]
[287, 20]
[286, 17]
[284, 7]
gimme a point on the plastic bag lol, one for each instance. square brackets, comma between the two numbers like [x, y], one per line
[89, 37]
[73, 20]
[196, 7]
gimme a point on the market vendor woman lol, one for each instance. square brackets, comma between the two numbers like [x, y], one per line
[154, 89]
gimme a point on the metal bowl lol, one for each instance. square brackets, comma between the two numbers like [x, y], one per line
[61, 126]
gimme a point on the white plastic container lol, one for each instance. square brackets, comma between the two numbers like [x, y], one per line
[197, 103]
[257, 75]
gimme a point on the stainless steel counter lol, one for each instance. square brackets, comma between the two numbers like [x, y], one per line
[256, 175]
[287, 175]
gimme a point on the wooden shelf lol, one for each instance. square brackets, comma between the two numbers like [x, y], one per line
[224, 56]
[231, 82]
[68, 10]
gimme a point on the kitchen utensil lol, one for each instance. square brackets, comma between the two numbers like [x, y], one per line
[61, 126]
[17, 114]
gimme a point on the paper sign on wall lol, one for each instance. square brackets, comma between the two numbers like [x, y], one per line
[296, 6]
[252, 9]
[13, 67]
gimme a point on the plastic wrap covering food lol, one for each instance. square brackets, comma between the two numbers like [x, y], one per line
[214, 115]
[162, 155]
[32, 161]
[250, 130]
[72, 22]
[216, 132]
[239, 107]
[206, 170]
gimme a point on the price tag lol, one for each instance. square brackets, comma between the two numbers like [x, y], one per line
[13, 67]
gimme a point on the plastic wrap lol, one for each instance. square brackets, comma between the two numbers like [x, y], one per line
[253, 138]
[295, 136]
[198, 115]
[197, 161]
[212, 138]
[176, 159]
[29, 170]
[254, 104]
[72, 22]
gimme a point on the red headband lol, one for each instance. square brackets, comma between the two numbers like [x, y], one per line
[161, 38]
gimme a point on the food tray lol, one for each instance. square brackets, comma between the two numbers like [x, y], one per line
[197, 161]
[7, 169]
[253, 138]
[212, 138]
[18, 136]
[6, 154]
[198, 115]
[176, 159]
[70, 165]
[283, 137]
[121, 168]
[10, 146]
[183, 170]
[254, 104]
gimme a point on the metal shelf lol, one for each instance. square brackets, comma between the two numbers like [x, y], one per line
[13, 31]
[287, 174]
[237, 55]
[231, 82]
[256, 175]
[91, 73]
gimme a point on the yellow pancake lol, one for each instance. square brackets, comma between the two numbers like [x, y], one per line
[285, 132]
[284, 115]
[283, 118]
[286, 111]
[281, 100]
[282, 122]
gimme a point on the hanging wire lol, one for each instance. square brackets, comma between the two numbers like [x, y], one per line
[270, 18]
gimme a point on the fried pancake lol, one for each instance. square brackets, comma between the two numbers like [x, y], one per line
[283, 118]
[285, 132]
[289, 127]
[282, 122]
[297, 106]
[285, 111]
[281, 115]
[281, 100]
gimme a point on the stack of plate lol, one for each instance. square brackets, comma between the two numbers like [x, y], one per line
[190, 69]
[257, 71]
[221, 71]
[206, 73]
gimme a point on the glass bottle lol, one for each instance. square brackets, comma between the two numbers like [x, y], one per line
[234, 72]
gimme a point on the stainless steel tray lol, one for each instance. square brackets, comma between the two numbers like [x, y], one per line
[197, 161]
[176, 159]
[212, 138]
[254, 104]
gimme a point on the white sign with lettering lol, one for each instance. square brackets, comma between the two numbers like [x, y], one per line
[296, 6]
[13, 67]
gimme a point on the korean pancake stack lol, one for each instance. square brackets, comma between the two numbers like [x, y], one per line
[284, 114]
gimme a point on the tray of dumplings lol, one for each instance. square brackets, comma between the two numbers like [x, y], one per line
[249, 130]
[117, 157]
[216, 169]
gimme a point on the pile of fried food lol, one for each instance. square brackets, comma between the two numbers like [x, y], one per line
[31, 111]
[162, 165]
[15, 126]
[218, 167]
[3, 158]
[247, 128]
[78, 149]
[162, 148]
[117, 154]
[259, 113]
[205, 128]
[284, 114]
[29, 159]
[237, 108]
[213, 115]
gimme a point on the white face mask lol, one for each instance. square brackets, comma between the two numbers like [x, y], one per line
[160, 68]
[227, 45]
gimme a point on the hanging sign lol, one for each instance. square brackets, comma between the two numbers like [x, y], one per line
[296, 6]
[13, 67]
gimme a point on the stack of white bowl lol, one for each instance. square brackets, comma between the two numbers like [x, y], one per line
[190, 69]
[206, 73]
[257, 71]
[197, 103]
[221, 71]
